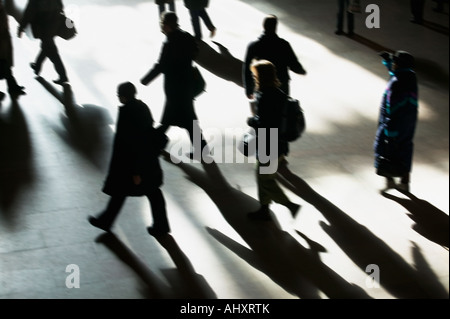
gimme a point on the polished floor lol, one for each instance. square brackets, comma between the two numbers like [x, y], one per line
[348, 240]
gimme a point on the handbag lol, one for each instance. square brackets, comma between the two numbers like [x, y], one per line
[66, 28]
[199, 83]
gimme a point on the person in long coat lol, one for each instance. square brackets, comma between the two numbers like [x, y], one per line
[7, 57]
[269, 46]
[175, 62]
[394, 140]
[44, 16]
[197, 11]
[134, 167]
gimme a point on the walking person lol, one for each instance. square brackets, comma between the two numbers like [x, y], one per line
[163, 4]
[175, 62]
[44, 16]
[269, 46]
[345, 14]
[197, 11]
[7, 58]
[134, 168]
[269, 106]
[394, 140]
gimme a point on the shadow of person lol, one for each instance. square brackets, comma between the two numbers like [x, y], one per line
[87, 128]
[16, 157]
[364, 248]
[369, 43]
[279, 255]
[430, 222]
[13, 10]
[155, 288]
[187, 283]
[436, 27]
[221, 63]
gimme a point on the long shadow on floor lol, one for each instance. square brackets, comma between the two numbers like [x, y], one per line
[87, 128]
[296, 268]
[16, 154]
[184, 282]
[221, 63]
[430, 222]
[364, 248]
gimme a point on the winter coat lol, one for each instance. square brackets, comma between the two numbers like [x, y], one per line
[6, 49]
[397, 122]
[44, 16]
[135, 152]
[276, 50]
[175, 62]
[196, 4]
[269, 106]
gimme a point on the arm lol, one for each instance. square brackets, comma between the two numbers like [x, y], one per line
[293, 62]
[247, 76]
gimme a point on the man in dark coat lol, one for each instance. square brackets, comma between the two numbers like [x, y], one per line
[134, 169]
[175, 62]
[45, 19]
[6, 57]
[269, 46]
[397, 121]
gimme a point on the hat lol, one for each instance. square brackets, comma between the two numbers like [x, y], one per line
[402, 58]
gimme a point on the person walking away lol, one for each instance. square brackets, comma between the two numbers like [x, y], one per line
[44, 16]
[197, 11]
[269, 46]
[134, 167]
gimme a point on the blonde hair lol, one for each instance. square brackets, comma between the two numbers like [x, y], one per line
[265, 74]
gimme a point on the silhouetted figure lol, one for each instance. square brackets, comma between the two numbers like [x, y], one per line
[269, 105]
[162, 5]
[345, 14]
[7, 58]
[397, 121]
[269, 46]
[439, 6]
[44, 16]
[175, 62]
[417, 9]
[197, 10]
[134, 168]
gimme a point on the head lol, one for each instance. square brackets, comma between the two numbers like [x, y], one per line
[126, 92]
[402, 59]
[168, 22]
[265, 75]
[270, 24]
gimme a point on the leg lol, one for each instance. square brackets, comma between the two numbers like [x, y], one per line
[340, 17]
[194, 132]
[51, 51]
[158, 207]
[172, 6]
[195, 19]
[350, 23]
[206, 19]
[14, 89]
[161, 8]
[37, 64]
[417, 7]
[106, 219]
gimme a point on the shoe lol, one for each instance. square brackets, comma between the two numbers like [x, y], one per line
[350, 34]
[390, 184]
[60, 81]
[16, 92]
[212, 33]
[96, 223]
[259, 215]
[157, 232]
[35, 68]
[403, 187]
[339, 32]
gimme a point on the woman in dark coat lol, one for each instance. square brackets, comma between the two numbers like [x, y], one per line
[45, 20]
[197, 10]
[175, 62]
[269, 105]
[7, 57]
[393, 144]
[134, 168]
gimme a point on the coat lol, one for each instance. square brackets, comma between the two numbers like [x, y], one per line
[269, 107]
[175, 62]
[276, 50]
[6, 49]
[397, 123]
[135, 152]
[196, 4]
[44, 16]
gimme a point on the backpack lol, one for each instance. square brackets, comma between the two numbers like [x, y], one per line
[292, 121]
